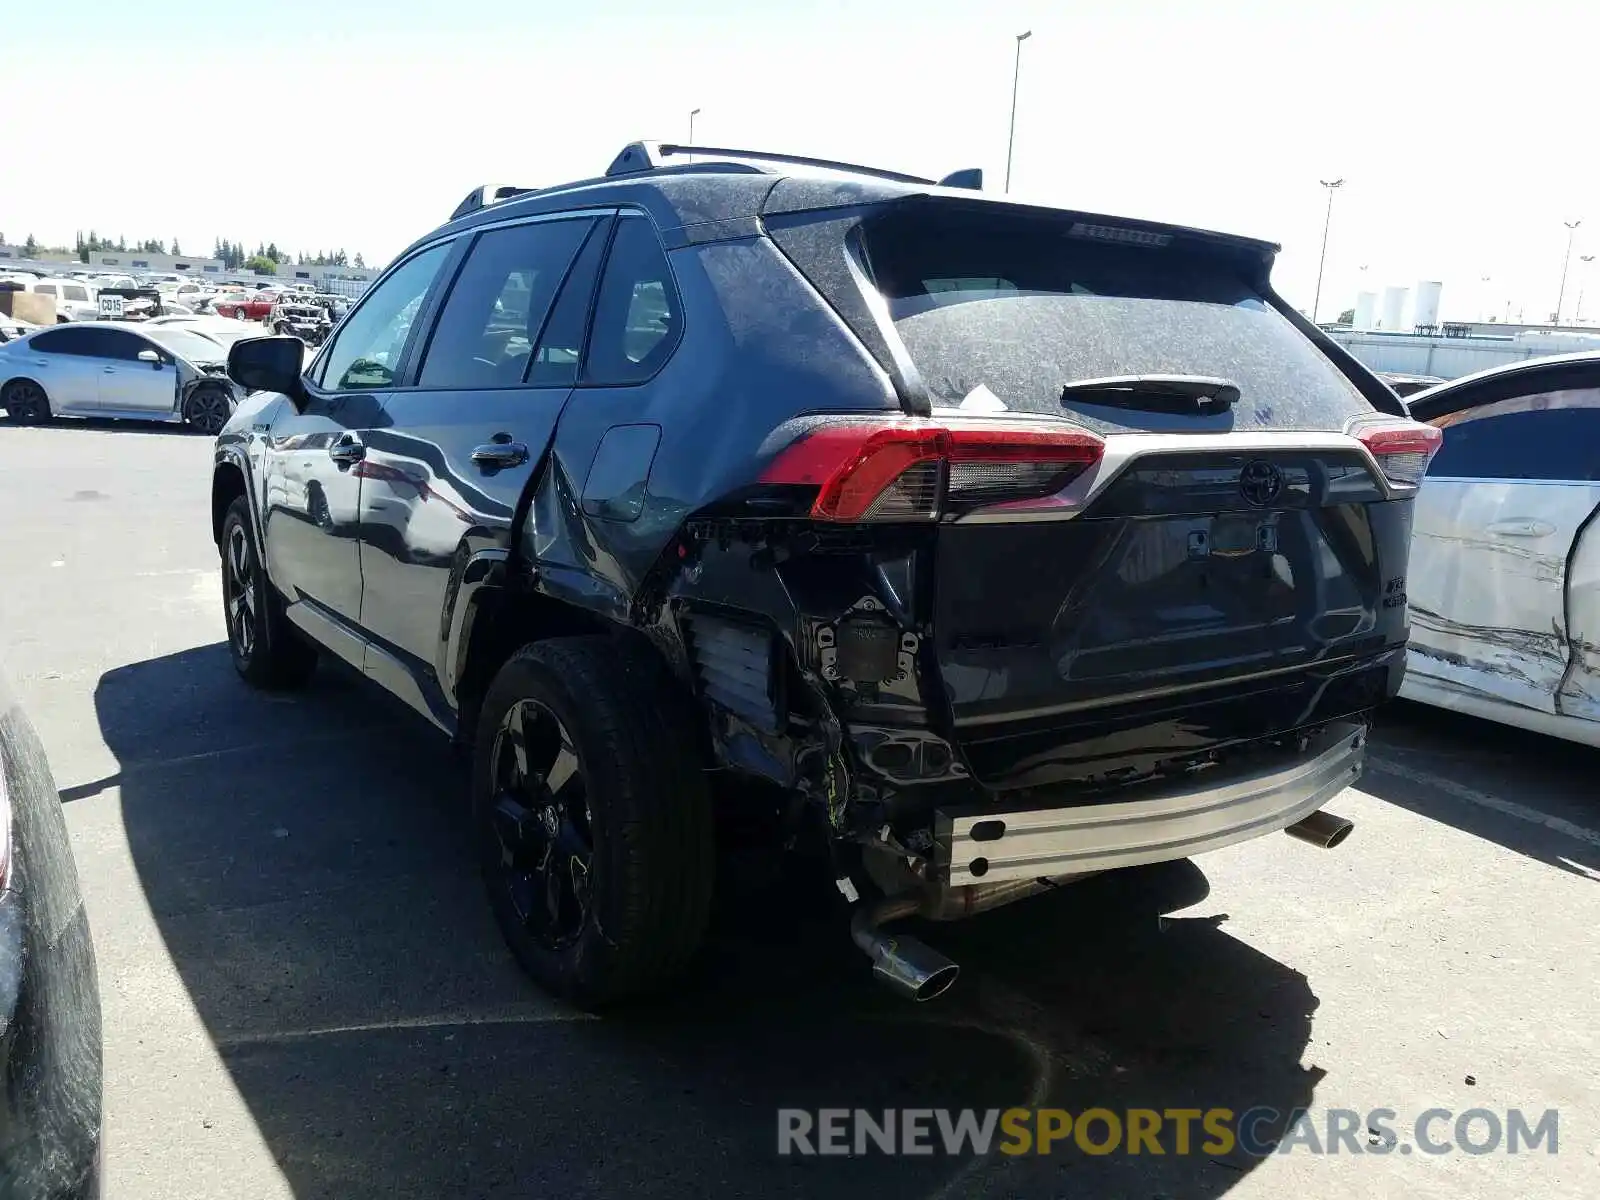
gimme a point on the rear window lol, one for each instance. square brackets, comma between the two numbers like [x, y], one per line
[1012, 310]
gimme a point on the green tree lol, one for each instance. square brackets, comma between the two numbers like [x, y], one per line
[361, 263]
[1347, 317]
[261, 265]
[175, 249]
[30, 247]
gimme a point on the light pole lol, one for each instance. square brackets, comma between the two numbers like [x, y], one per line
[1566, 261]
[1577, 317]
[693, 113]
[1016, 75]
[1330, 184]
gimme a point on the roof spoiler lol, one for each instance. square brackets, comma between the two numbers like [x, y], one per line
[637, 157]
[489, 193]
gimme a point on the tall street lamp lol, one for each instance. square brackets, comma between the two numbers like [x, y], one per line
[1330, 184]
[1566, 261]
[1016, 75]
[693, 113]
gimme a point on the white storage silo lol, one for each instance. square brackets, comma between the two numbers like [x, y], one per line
[1425, 310]
[1394, 307]
[1366, 309]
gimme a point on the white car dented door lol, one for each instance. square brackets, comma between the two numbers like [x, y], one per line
[1505, 574]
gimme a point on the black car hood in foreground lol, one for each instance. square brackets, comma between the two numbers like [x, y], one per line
[49, 998]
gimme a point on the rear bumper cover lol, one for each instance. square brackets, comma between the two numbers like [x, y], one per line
[980, 843]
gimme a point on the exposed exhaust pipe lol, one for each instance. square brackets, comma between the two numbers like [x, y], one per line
[907, 966]
[1321, 828]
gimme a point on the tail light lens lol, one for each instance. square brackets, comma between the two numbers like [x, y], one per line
[905, 470]
[1402, 448]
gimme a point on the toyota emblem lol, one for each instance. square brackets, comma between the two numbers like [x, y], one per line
[1260, 483]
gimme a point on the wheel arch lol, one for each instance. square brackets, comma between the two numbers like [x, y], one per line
[6, 384]
[227, 485]
[488, 618]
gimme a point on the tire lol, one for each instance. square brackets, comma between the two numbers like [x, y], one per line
[265, 649]
[634, 797]
[207, 410]
[25, 402]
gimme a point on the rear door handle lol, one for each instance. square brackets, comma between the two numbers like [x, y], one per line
[347, 448]
[1520, 527]
[500, 454]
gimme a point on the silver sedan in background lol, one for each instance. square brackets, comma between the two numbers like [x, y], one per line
[117, 370]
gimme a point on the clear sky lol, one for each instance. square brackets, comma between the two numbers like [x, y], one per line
[1465, 130]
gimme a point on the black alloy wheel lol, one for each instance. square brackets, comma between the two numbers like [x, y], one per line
[265, 649]
[592, 818]
[240, 591]
[542, 822]
[25, 402]
[207, 410]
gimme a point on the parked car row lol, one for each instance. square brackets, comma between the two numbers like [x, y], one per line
[87, 296]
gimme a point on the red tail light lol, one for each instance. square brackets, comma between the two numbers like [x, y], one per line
[1402, 448]
[901, 470]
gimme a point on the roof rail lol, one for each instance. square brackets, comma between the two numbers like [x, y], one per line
[489, 193]
[648, 156]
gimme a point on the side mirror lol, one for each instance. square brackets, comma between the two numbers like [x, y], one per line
[268, 364]
[151, 357]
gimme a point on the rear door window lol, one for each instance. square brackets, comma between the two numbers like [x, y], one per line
[1013, 309]
[60, 341]
[497, 306]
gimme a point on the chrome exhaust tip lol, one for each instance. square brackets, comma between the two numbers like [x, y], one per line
[908, 967]
[1321, 829]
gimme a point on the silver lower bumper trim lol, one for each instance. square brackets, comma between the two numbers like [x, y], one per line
[1221, 806]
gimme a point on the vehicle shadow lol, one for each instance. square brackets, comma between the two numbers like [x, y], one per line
[1530, 793]
[307, 864]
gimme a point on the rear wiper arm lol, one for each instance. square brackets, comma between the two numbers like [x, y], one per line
[1197, 395]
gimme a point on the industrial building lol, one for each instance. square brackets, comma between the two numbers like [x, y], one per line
[1399, 331]
[143, 262]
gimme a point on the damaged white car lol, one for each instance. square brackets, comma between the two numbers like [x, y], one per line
[1505, 556]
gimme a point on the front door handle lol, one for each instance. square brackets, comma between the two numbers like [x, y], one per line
[500, 454]
[347, 448]
[1521, 527]
[109, 370]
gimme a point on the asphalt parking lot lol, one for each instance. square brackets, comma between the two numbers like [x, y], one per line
[304, 994]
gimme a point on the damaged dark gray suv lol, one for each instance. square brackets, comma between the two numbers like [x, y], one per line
[987, 545]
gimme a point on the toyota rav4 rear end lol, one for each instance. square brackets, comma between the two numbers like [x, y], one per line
[1122, 581]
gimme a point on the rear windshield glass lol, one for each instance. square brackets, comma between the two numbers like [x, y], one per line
[1007, 312]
